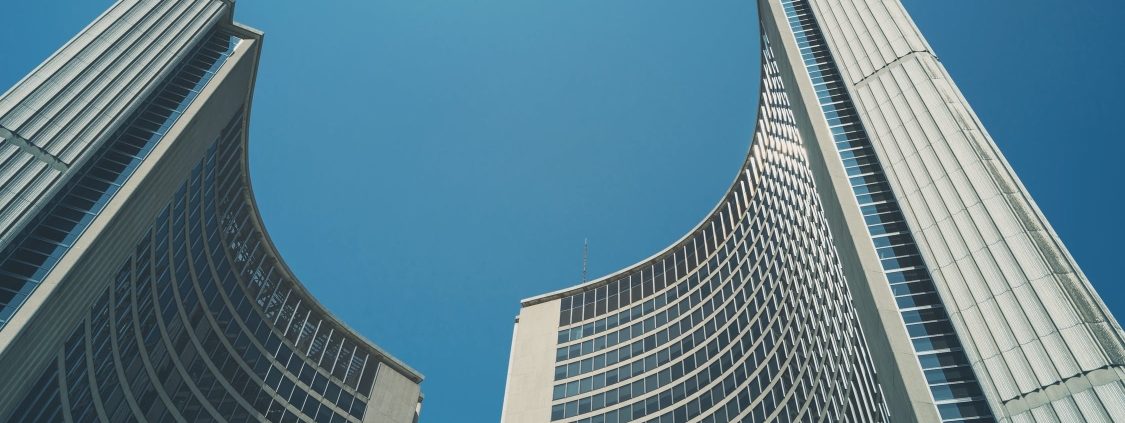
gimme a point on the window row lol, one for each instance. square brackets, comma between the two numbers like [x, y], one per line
[724, 262]
[736, 291]
[690, 292]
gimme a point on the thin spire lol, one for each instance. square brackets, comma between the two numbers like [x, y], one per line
[585, 257]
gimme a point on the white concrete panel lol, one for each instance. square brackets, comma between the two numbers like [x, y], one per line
[1055, 302]
[1045, 413]
[1091, 407]
[1017, 321]
[1112, 396]
[980, 327]
[394, 398]
[1085, 351]
[1000, 375]
[1001, 332]
[1032, 305]
[531, 369]
[1041, 363]
[1060, 354]
[1021, 370]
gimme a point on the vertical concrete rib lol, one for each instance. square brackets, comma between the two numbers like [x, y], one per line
[1038, 336]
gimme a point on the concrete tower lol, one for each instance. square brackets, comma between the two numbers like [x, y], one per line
[137, 282]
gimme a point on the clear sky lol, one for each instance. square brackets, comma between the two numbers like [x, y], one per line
[424, 165]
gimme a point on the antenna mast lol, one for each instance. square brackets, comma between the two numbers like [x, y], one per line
[585, 257]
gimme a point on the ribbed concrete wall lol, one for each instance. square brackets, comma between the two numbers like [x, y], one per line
[74, 100]
[1038, 335]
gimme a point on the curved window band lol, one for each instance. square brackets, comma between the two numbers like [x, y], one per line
[662, 305]
[672, 321]
[749, 298]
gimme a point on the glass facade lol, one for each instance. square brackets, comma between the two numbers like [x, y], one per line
[223, 336]
[210, 346]
[951, 380]
[747, 319]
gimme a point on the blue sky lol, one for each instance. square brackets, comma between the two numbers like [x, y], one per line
[424, 165]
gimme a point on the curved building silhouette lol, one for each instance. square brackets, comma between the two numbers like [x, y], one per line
[875, 259]
[137, 282]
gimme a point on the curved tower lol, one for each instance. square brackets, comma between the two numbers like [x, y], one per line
[876, 259]
[748, 316]
[137, 282]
